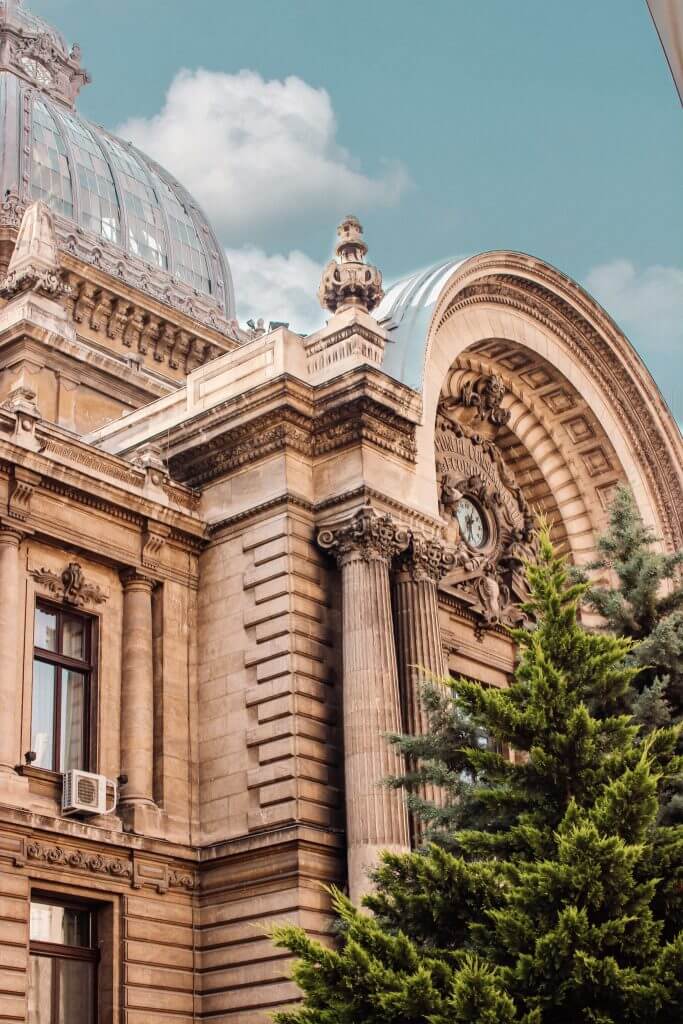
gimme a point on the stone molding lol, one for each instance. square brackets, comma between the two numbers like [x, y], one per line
[81, 860]
[368, 536]
[332, 350]
[137, 328]
[363, 419]
[70, 585]
[135, 579]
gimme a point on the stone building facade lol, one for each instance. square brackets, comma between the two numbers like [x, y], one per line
[223, 553]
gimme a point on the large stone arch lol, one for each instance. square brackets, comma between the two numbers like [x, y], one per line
[584, 409]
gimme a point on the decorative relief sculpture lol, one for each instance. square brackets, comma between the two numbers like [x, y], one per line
[70, 585]
[488, 523]
[349, 281]
[57, 856]
[485, 395]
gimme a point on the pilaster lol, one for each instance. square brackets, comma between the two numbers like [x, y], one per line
[137, 699]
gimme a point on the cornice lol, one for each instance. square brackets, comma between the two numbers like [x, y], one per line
[283, 502]
[115, 497]
[286, 419]
[369, 495]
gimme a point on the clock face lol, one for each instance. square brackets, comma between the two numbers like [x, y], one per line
[472, 523]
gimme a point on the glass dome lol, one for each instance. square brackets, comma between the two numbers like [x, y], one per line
[113, 205]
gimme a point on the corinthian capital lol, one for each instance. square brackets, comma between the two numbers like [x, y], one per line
[426, 558]
[368, 536]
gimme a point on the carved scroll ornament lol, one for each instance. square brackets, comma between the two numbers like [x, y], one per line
[70, 585]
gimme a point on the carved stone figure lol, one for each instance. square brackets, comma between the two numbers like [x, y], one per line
[493, 595]
[485, 395]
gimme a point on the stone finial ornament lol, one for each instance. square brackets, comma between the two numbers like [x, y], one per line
[35, 262]
[348, 282]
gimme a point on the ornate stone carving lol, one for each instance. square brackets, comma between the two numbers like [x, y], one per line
[592, 340]
[427, 558]
[348, 282]
[21, 490]
[485, 395]
[70, 585]
[34, 264]
[11, 209]
[181, 880]
[489, 581]
[368, 536]
[58, 856]
[154, 541]
[36, 53]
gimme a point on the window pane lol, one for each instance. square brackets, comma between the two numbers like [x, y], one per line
[40, 990]
[46, 630]
[42, 715]
[73, 637]
[72, 754]
[76, 992]
[67, 926]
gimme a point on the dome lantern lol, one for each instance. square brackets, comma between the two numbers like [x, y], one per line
[38, 53]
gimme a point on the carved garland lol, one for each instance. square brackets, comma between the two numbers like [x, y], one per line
[102, 864]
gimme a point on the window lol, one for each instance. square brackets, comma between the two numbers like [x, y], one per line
[63, 967]
[62, 689]
[50, 172]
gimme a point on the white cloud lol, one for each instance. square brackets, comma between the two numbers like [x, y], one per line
[647, 304]
[277, 287]
[258, 154]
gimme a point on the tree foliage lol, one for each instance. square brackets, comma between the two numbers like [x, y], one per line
[554, 894]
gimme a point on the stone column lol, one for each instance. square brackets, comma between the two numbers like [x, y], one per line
[376, 817]
[137, 692]
[418, 635]
[10, 677]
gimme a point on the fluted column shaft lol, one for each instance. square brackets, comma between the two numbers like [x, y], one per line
[418, 634]
[10, 685]
[376, 817]
[137, 691]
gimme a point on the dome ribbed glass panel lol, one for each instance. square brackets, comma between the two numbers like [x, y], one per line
[50, 174]
[146, 234]
[188, 255]
[99, 205]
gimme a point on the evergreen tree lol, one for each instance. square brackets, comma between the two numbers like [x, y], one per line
[647, 605]
[559, 899]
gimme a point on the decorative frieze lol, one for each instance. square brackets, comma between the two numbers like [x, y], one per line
[79, 860]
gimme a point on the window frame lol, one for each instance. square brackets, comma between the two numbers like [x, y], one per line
[58, 951]
[60, 662]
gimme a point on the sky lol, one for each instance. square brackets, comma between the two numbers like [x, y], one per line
[450, 127]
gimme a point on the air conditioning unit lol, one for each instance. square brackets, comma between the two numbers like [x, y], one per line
[86, 793]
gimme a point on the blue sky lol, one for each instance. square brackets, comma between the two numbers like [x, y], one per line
[449, 126]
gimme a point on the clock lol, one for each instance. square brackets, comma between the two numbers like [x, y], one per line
[472, 523]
